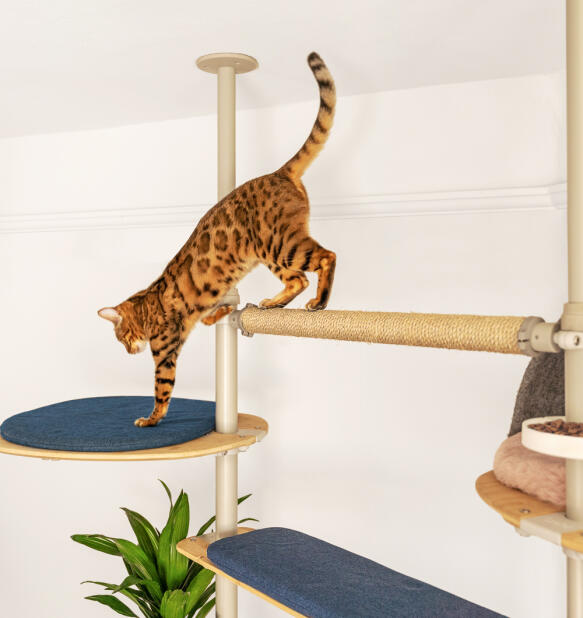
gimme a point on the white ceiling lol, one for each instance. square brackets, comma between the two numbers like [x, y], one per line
[81, 64]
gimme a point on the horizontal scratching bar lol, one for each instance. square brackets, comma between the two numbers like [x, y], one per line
[433, 330]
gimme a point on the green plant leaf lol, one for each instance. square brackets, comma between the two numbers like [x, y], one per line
[193, 570]
[152, 586]
[197, 588]
[130, 580]
[146, 534]
[154, 589]
[242, 521]
[128, 567]
[174, 604]
[97, 542]
[140, 598]
[104, 584]
[147, 607]
[167, 491]
[174, 566]
[208, 593]
[179, 500]
[206, 608]
[211, 521]
[206, 526]
[148, 590]
[115, 604]
[138, 560]
[123, 587]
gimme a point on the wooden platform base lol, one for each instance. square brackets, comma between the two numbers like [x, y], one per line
[516, 506]
[512, 504]
[251, 429]
[196, 547]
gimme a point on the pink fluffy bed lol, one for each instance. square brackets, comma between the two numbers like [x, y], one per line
[539, 475]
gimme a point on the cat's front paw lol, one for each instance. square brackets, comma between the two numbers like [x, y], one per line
[145, 422]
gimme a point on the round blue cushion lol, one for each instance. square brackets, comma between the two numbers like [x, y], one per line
[106, 424]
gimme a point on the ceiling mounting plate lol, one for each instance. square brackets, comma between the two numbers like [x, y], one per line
[242, 63]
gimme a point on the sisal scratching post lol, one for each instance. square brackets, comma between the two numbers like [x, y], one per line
[457, 332]
[226, 67]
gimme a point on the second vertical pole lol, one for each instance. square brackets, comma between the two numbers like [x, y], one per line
[226, 66]
[573, 313]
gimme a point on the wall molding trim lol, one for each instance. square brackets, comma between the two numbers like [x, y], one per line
[503, 200]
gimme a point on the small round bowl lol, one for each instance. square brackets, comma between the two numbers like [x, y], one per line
[570, 447]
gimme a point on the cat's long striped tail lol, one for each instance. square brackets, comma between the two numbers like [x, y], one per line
[298, 164]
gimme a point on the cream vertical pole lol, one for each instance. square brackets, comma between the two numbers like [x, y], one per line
[226, 66]
[573, 312]
[226, 353]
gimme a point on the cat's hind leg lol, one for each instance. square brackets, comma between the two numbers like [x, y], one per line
[309, 256]
[295, 283]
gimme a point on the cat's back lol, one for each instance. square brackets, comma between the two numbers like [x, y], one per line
[252, 200]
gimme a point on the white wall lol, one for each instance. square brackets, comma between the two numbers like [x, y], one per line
[374, 448]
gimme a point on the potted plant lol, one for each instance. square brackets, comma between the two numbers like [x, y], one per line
[161, 582]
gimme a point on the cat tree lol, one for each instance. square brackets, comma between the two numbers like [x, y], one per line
[227, 552]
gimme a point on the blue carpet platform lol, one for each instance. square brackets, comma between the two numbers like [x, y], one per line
[106, 424]
[320, 580]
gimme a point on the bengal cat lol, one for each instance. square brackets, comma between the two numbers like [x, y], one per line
[263, 221]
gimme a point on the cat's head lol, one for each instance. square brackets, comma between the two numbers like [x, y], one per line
[128, 326]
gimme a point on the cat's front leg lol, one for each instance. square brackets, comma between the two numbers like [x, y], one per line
[164, 384]
[217, 314]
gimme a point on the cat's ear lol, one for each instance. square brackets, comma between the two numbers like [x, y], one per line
[111, 314]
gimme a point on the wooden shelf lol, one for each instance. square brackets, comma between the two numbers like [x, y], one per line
[512, 504]
[251, 429]
[196, 547]
[516, 506]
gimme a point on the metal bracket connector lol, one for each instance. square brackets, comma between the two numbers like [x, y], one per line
[549, 527]
[569, 340]
[233, 451]
[235, 319]
[259, 434]
[571, 553]
[520, 532]
[536, 336]
[552, 527]
[525, 335]
[231, 298]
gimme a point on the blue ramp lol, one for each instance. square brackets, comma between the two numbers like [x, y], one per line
[320, 580]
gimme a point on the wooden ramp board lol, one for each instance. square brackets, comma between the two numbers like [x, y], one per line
[196, 547]
[516, 506]
[251, 429]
